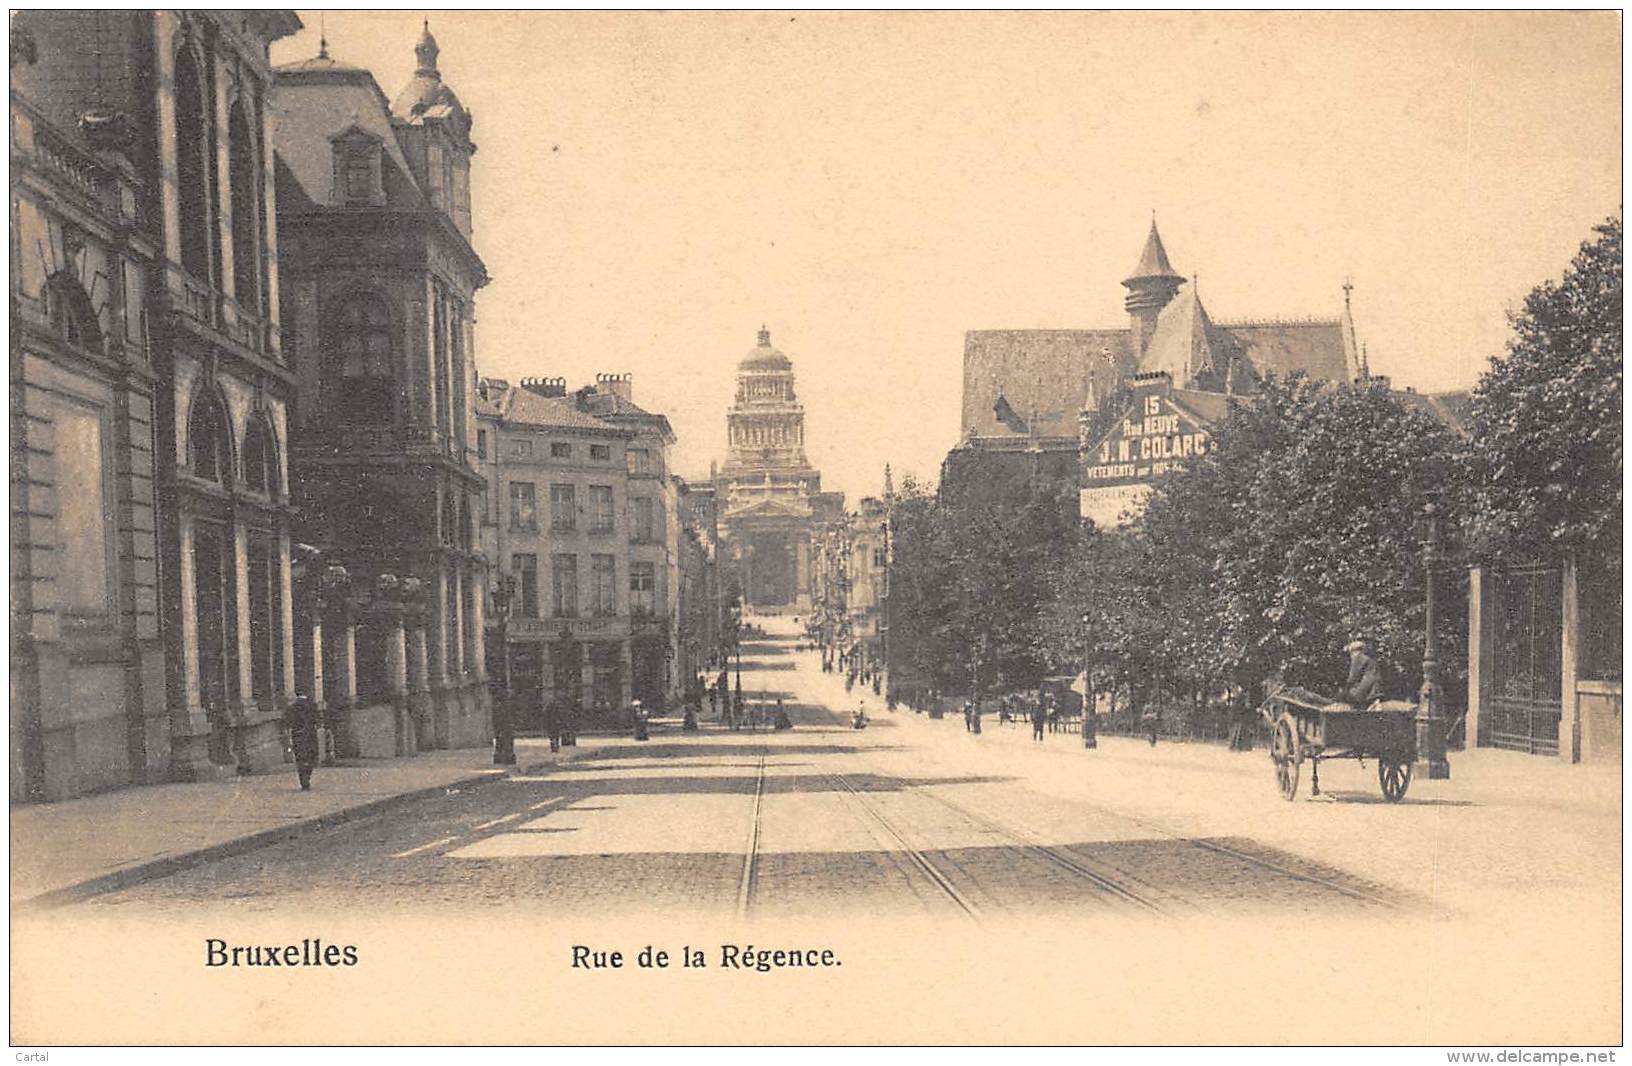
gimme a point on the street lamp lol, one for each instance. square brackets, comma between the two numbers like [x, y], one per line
[1090, 738]
[504, 736]
[1431, 761]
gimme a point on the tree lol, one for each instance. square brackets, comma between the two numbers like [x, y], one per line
[1297, 529]
[1545, 456]
[970, 581]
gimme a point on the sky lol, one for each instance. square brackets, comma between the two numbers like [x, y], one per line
[650, 188]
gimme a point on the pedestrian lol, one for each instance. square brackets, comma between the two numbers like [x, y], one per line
[1152, 719]
[1039, 716]
[301, 718]
[968, 716]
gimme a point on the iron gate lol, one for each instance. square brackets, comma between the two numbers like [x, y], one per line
[1526, 680]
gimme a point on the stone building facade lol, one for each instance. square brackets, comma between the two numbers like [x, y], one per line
[581, 517]
[152, 635]
[769, 495]
[380, 275]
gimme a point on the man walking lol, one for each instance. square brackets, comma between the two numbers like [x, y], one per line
[1039, 716]
[301, 718]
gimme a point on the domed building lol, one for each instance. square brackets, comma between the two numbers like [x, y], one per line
[770, 495]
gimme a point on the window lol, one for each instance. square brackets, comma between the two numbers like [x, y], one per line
[879, 559]
[644, 529]
[521, 448]
[642, 589]
[564, 582]
[191, 177]
[560, 450]
[481, 444]
[71, 312]
[640, 461]
[526, 569]
[601, 452]
[83, 517]
[523, 506]
[260, 458]
[361, 341]
[603, 574]
[206, 441]
[243, 162]
[358, 171]
[563, 508]
[600, 508]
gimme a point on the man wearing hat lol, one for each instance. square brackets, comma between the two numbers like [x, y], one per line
[1365, 679]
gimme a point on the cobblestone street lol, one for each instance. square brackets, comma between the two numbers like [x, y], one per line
[908, 817]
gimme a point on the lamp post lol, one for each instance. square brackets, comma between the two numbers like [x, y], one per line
[1431, 762]
[1090, 737]
[504, 737]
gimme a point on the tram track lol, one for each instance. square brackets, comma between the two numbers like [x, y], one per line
[750, 857]
[915, 857]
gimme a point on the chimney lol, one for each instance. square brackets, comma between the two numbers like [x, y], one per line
[555, 387]
[620, 385]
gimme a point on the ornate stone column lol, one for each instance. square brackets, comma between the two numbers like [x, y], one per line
[341, 671]
[257, 730]
[189, 724]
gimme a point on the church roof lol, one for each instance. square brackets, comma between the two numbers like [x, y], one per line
[763, 356]
[1041, 375]
[1184, 341]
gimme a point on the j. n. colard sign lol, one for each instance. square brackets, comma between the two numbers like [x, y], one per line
[1150, 440]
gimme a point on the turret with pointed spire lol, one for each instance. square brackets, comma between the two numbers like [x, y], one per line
[1151, 285]
[426, 52]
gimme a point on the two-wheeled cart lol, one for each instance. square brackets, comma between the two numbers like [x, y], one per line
[1306, 726]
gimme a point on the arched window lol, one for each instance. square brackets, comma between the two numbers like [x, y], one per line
[71, 312]
[245, 220]
[364, 387]
[260, 458]
[191, 175]
[207, 448]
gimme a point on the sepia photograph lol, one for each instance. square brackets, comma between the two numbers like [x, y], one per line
[883, 528]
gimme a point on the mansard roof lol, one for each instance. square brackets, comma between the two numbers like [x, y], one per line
[317, 99]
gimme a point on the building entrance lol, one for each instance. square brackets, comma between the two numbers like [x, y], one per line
[770, 570]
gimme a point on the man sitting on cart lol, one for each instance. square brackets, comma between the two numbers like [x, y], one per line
[1365, 685]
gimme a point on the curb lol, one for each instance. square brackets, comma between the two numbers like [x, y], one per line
[170, 864]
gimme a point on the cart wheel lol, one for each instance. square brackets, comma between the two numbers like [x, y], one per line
[1395, 777]
[1284, 750]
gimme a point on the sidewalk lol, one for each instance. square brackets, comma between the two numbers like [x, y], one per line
[62, 852]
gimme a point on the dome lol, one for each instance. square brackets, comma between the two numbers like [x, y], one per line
[764, 357]
[425, 91]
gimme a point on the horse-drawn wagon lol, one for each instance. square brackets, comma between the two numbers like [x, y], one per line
[1307, 727]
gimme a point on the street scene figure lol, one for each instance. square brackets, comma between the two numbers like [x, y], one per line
[1039, 717]
[302, 722]
[1365, 677]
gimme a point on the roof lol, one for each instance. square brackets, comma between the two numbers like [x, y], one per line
[1153, 260]
[1042, 374]
[765, 357]
[1184, 343]
[612, 406]
[1318, 347]
[317, 100]
[524, 407]
[1450, 408]
[426, 95]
